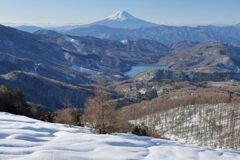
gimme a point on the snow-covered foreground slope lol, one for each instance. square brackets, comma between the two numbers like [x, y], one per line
[22, 138]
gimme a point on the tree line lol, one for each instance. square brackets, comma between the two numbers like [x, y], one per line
[100, 111]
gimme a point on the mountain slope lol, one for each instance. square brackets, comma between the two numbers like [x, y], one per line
[25, 138]
[205, 57]
[50, 93]
[26, 45]
[27, 62]
[42, 57]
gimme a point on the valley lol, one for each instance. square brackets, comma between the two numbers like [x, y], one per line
[80, 60]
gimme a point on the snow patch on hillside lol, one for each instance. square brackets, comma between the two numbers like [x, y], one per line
[124, 41]
[83, 70]
[71, 40]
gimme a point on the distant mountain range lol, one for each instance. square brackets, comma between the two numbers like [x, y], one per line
[164, 34]
[30, 29]
[122, 25]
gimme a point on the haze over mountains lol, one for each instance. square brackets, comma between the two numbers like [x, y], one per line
[120, 19]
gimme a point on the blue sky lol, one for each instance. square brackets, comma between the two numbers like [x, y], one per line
[175, 12]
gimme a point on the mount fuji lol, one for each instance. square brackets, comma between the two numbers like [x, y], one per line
[123, 19]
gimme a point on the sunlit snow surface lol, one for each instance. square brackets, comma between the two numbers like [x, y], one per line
[22, 138]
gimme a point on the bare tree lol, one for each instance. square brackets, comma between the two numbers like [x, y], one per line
[67, 116]
[99, 111]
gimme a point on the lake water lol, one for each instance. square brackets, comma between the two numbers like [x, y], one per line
[138, 69]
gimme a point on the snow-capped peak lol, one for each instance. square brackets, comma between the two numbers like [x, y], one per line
[121, 16]
[123, 19]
